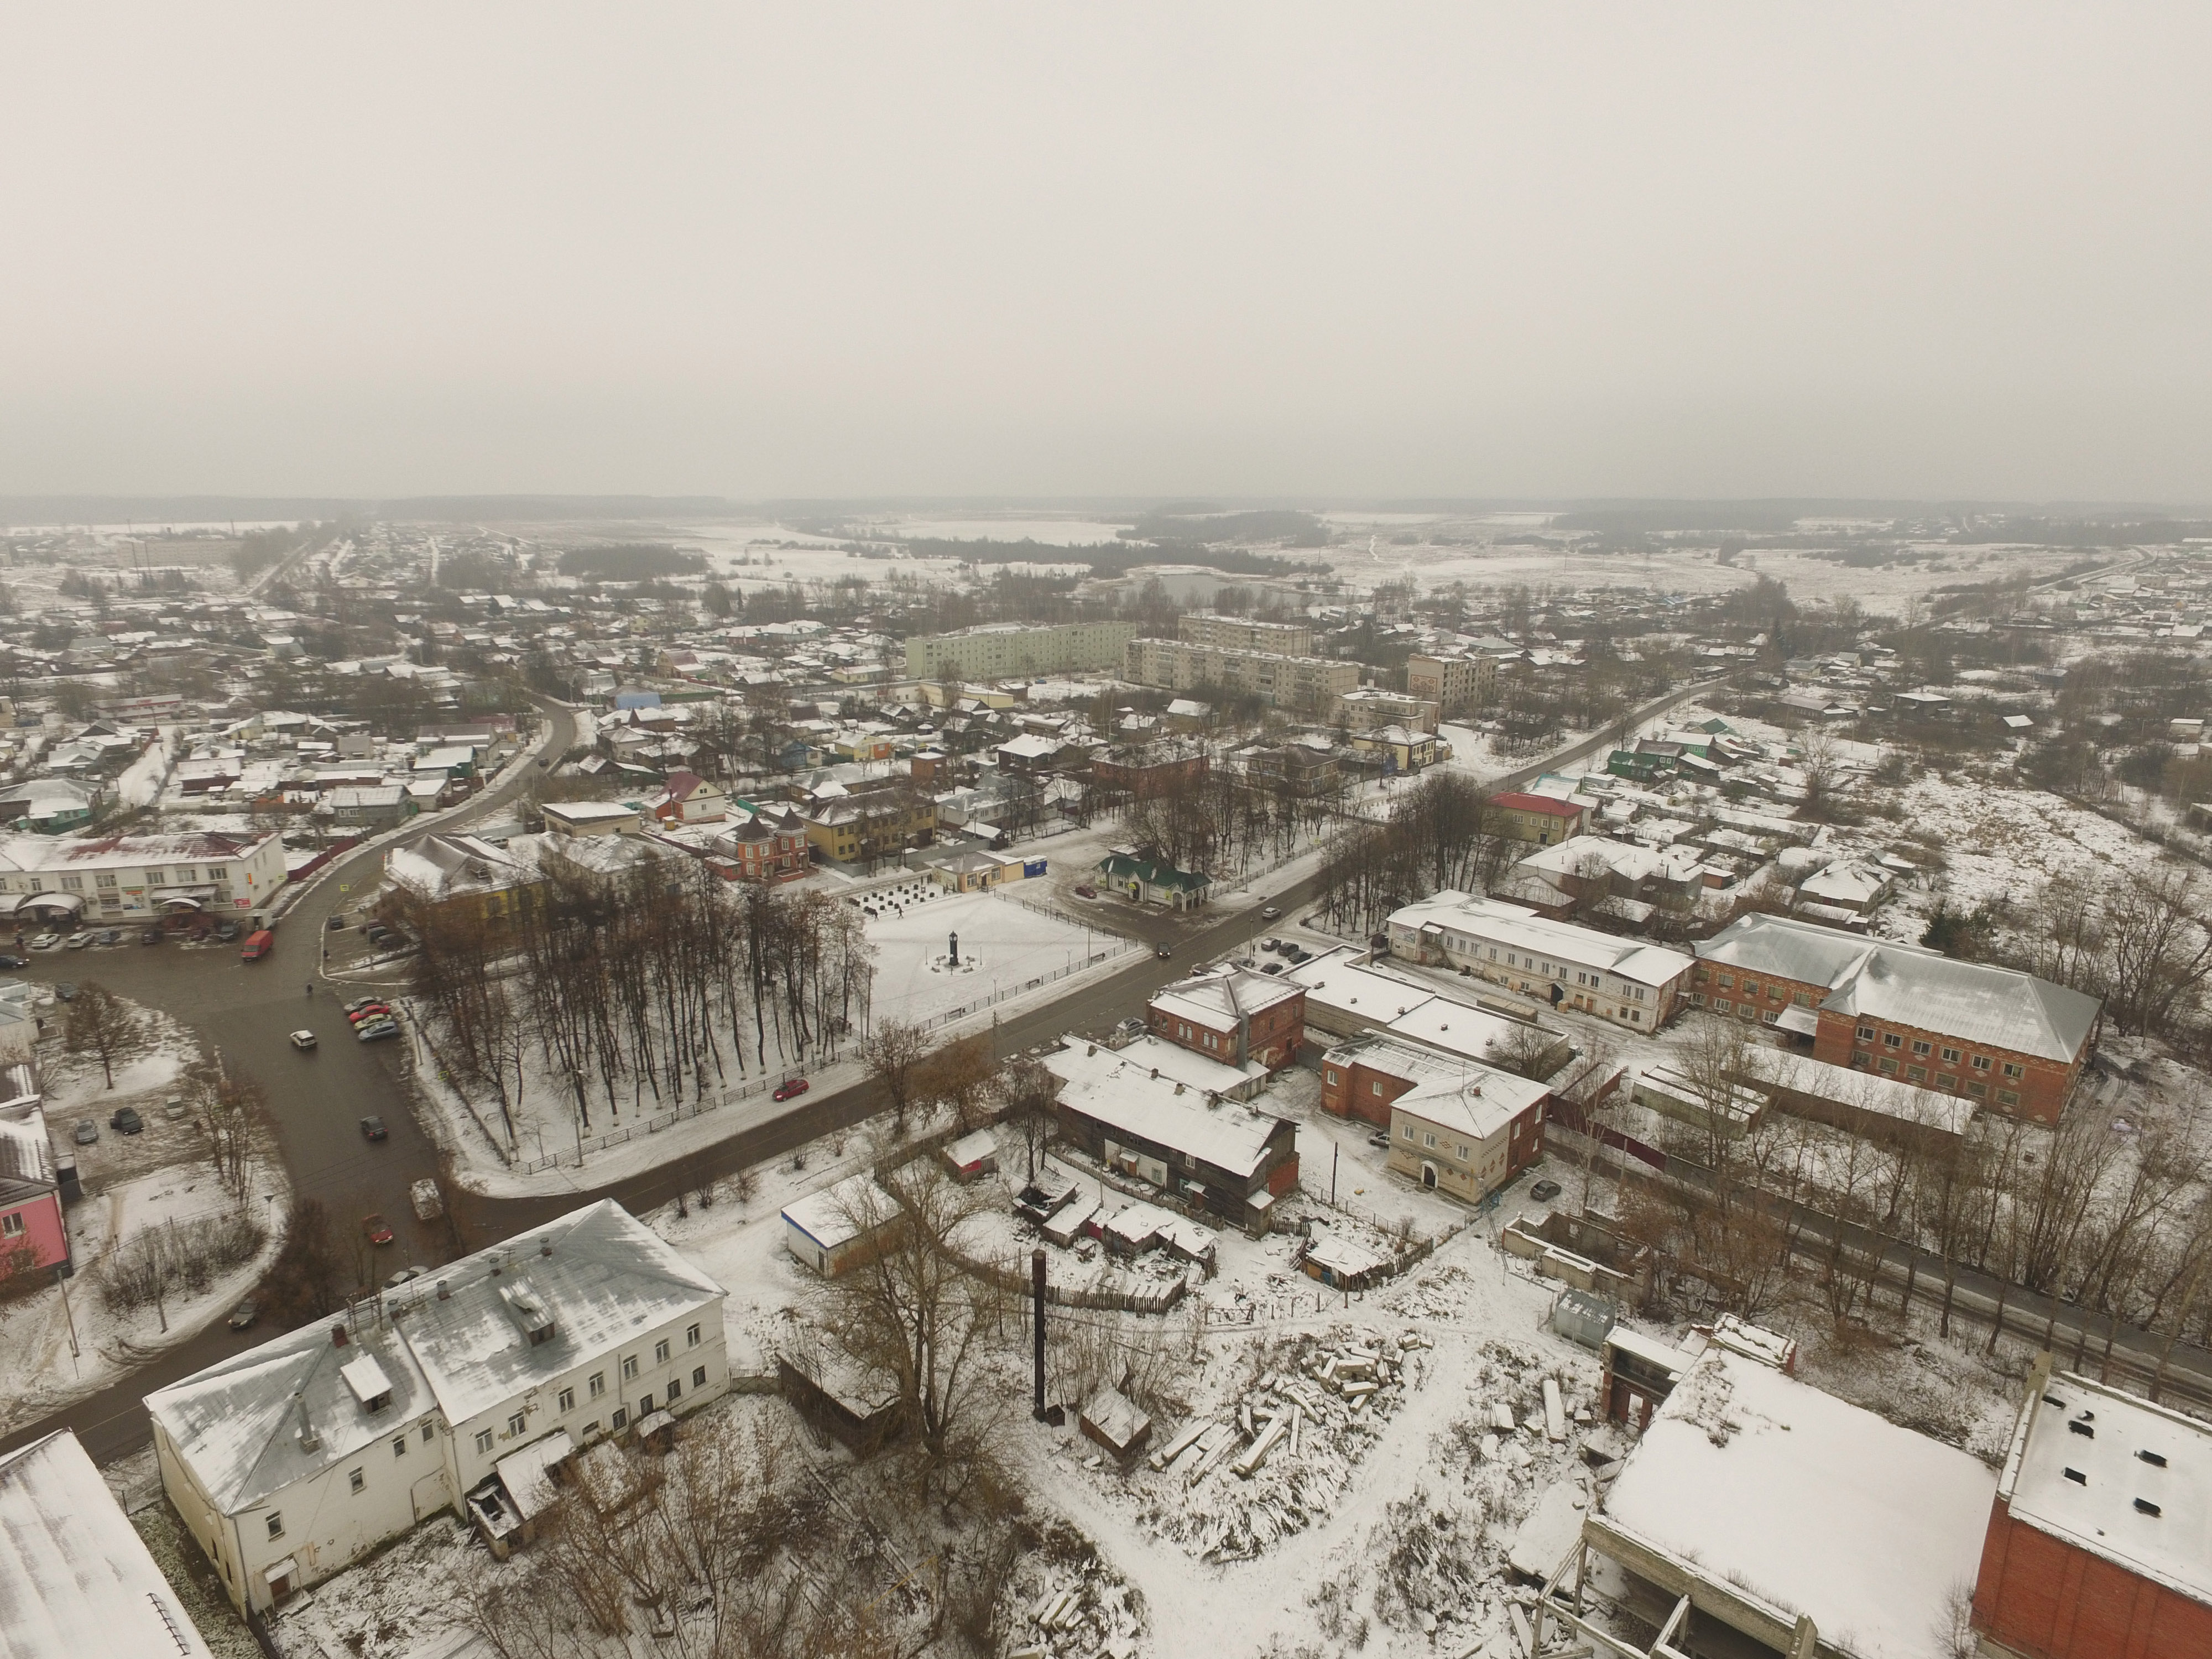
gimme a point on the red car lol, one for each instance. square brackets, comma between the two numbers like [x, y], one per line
[369, 1011]
[791, 1089]
[376, 1229]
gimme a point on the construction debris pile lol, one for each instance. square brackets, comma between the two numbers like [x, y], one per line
[1071, 1606]
[1226, 1488]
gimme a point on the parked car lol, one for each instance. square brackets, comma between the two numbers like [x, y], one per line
[65, 989]
[1271, 943]
[78, 941]
[109, 936]
[375, 1230]
[336, 921]
[371, 1129]
[1268, 912]
[359, 1003]
[1270, 967]
[1162, 951]
[790, 1088]
[375, 1029]
[172, 1109]
[45, 941]
[244, 1314]
[7, 961]
[303, 1040]
[424, 1194]
[368, 1010]
[87, 1132]
[125, 1120]
[225, 931]
[1379, 1141]
[149, 936]
[1545, 1191]
[377, 932]
[1084, 890]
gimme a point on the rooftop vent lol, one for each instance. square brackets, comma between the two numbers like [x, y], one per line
[309, 1440]
[338, 1336]
[443, 1293]
[2144, 1506]
[2077, 1477]
[2053, 1399]
[530, 1312]
[545, 1247]
[2156, 1460]
[2079, 1427]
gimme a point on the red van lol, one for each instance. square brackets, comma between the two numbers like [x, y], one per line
[258, 945]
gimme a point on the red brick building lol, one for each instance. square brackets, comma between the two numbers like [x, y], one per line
[2000, 1037]
[1150, 773]
[1543, 819]
[1232, 1015]
[767, 846]
[2100, 1541]
[1455, 1125]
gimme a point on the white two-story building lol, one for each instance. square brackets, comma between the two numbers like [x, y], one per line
[109, 880]
[458, 1391]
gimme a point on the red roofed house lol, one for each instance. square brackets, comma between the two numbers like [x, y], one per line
[768, 845]
[1235, 1016]
[1543, 819]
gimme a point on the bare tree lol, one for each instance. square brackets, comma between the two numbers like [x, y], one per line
[1029, 1094]
[893, 1055]
[101, 1023]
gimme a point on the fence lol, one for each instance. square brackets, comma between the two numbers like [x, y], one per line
[652, 1125]
[1004, 992]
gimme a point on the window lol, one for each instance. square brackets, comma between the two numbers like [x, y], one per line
[630, 1367]
[1772, 1015]
[1376, 1086]
[354, 1479]
[1889, 1064]
[1919, 1047]
[426, 1434]
[104, 878]
[1462, 1154]
[399, 1447]
[1332, 1075]
[1429, 1140]
[11, 1224]
[1981, 1062]
[517, 1423]
[73, 884]
[1407, 1131]
[621, 1418]
[1724, 1005]
[1866, 1034]
[1916, 1074]
[218, 872]
[2008, 1097]
[1802, 999]
[592, 1429]
[1892, 1040]
[276, 1523]
[567, 1399]
[598, 1385]
[1978, 1089]
[660, 1352]
[1862, 1062]
[484, 1440]
[675, 1390]
[645, 1403]
[699, 1377]
[1947, 1080]
[1728, 982]
[1751, 987]
[1950, 1056]
[2013, 1070]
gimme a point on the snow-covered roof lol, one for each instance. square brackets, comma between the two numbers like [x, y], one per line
[38, 852]
[76, 1581]
[599, 1272]
[2088, 1488]
[1520, 928]
[1799, 1502]
[1975, 1001]
[1079, 1057]
[1448, 1090]
[837, 1215]
[1128, 1098]
[1848, 1085]
[1217, 998]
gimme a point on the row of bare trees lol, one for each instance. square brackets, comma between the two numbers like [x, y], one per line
[2112, 1219]
[1232, 820]
[2137, 941]
[662, 984]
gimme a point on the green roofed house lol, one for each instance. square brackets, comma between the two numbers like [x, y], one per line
[1149, 881]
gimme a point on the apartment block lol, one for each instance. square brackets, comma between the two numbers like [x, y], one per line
[1312, 683]
[1457, 684]
[1006, 650]
[1241, 633]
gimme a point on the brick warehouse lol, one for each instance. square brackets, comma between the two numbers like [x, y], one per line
[1232, 1015]
[2100, 1538]
[1998, 1037]
[1455, 1125]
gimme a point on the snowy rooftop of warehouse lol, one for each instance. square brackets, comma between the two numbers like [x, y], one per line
[1127, 1096]
[76, 1581]
[1517, 926]
[1458, 1094]
[1867, 1090]
[1079, 1056]
[1217, 998]
[236, 1424]
[2097, 1512]
[1797, 1500]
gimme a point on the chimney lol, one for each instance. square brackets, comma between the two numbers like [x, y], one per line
[338, 1336]
[309, 1440]
[545, 1247]
[497, 1263]
[443, 1294]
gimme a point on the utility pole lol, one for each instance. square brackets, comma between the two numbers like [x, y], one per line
[1036, 1301]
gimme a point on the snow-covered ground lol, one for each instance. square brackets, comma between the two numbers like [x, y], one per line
[142, 779]
[1003, 946]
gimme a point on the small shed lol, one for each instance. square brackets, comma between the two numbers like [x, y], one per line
[1136, 1228]
[840, 1226]
[1640, 1372]
[1112, 1418]
[1051, 1192]
[972, 1154]
[1585, 1317]
[1341, 1263]
[1073, 1223]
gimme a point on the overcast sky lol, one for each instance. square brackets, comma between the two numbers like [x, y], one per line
[1360, 251]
